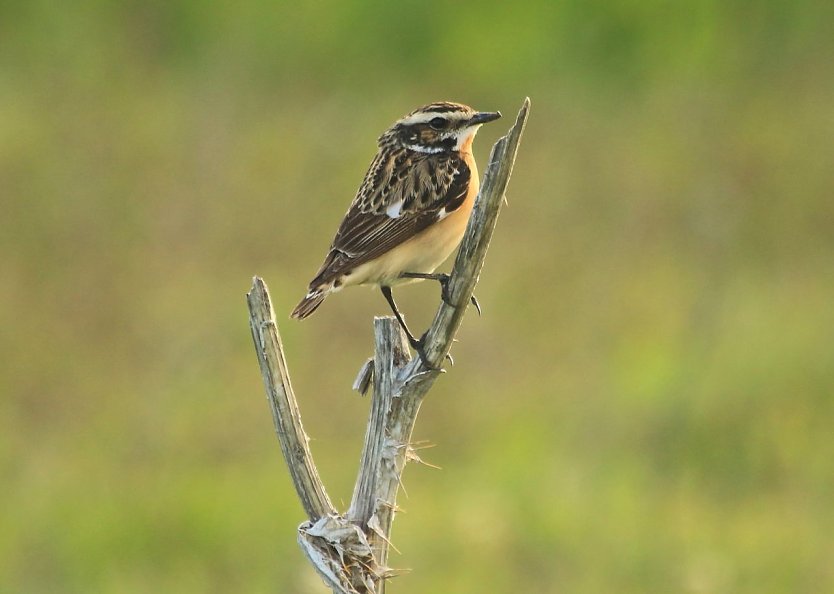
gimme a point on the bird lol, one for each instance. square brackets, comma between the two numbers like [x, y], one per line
[410, 211]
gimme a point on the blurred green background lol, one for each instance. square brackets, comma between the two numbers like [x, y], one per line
[645, 406]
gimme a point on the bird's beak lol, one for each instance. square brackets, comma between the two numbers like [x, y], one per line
[482, 117]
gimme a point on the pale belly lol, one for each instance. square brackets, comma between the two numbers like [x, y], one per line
[424, 253]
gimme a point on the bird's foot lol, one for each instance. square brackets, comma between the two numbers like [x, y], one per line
[445, 291]
[445, 295]
[418, 344]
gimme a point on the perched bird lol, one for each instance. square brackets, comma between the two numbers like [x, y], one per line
[411, 210]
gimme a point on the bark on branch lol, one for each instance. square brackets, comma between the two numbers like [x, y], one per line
[350, 552]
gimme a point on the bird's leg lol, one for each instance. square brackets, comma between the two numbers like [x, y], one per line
[389, 297]
[440, 277]
[416, 344]
[443, 279]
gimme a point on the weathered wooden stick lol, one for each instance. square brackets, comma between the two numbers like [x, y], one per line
[294, 441]
[390, 354]
[351, 553]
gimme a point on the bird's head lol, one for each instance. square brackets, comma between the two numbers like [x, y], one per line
[437, 127]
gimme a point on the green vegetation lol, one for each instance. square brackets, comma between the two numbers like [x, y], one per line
[645, 406]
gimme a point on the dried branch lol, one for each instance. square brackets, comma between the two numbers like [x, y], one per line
[285, 414]
[351, 553]
[473, 247]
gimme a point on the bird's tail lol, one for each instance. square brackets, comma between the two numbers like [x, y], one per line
[311, 301]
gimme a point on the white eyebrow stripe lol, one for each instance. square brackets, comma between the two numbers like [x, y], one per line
[424, 117]
[417, 118]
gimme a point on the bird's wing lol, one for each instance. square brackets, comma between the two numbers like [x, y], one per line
[402, 194]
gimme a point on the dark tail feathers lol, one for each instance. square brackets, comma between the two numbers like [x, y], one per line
[309, 304]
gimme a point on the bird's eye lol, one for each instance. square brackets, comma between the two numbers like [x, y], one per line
[439, 123]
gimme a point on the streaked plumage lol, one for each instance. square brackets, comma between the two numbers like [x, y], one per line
[412, 207]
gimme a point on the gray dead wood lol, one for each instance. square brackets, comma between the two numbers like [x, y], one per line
[350, 551]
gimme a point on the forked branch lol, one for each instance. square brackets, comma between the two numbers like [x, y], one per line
[350, 552]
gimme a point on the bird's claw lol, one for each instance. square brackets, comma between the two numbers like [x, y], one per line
[445, 291]
[444, 279]
[418, 345]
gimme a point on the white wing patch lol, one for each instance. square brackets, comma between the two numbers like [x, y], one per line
[395, 209]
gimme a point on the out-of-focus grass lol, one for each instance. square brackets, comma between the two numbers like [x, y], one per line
[645, 405]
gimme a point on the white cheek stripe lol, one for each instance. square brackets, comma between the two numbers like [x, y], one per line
[424, 149]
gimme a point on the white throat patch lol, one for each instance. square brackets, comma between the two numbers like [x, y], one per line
[464, 135]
